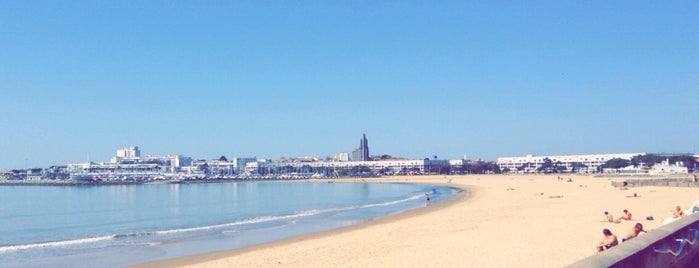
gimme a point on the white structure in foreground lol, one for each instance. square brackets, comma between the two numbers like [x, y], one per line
[532, 162]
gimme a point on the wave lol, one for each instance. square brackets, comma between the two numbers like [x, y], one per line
[414, 197]
[135, 234]
[299, 214]
[263, 219]
[56, 243]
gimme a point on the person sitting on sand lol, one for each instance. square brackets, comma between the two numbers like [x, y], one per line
[635, 230]
[608, 241]
[626, 217]
[624, 186]
[609, 216]
[678, 212]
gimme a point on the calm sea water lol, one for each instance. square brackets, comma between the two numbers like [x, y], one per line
[113, 226]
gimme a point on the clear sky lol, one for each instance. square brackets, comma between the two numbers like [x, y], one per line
[80, 79]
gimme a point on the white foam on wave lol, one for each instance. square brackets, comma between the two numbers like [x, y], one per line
[242, 222]
[410, 198]
[56, 243]
[263, 219]
[299, 214]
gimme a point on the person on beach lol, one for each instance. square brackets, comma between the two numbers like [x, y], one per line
[624, 186]
[608, 216]
[678, 212]
[427, 199]
[608, 241]
[626, 216]
[635, 230]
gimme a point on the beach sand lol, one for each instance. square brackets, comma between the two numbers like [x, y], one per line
[501, 221]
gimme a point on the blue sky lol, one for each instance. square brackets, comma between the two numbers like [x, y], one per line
[79, 79]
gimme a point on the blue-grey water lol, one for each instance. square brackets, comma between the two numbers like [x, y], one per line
[118, 225]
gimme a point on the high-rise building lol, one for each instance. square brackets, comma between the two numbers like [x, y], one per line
[361, 153]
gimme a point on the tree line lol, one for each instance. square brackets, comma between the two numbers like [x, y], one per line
[649, 160]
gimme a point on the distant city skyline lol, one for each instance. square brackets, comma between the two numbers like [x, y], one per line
[289, 79]
[363, 152]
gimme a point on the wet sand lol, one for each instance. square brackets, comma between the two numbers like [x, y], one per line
[500, 221]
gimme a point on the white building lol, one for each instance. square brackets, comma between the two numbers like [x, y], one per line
[220, 169]
[665, 168]
[128, 152]
[239, 163]
[401, 167]
[456, 164]
[530, 163]
[129, 164]
[342, 157]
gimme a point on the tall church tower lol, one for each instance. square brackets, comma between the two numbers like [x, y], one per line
[364, 147]
[361, 153]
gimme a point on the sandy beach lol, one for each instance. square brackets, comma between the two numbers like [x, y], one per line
[499, 221]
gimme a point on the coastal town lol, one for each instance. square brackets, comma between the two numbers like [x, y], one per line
[130, 166]
[296, 134]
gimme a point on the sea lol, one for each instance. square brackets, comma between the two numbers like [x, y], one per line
[120, 225]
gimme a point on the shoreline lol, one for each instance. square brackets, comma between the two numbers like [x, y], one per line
[494, 225]
[72, 183]
[209, 217]
[197, 259]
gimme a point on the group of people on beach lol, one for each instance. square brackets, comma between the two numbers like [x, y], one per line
[611, 240]
[567, 180]
[626, 216]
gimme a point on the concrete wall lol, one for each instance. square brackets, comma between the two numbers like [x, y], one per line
[670, 182]
[674, 244]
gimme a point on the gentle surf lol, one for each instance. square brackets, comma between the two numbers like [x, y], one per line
[118, 225]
